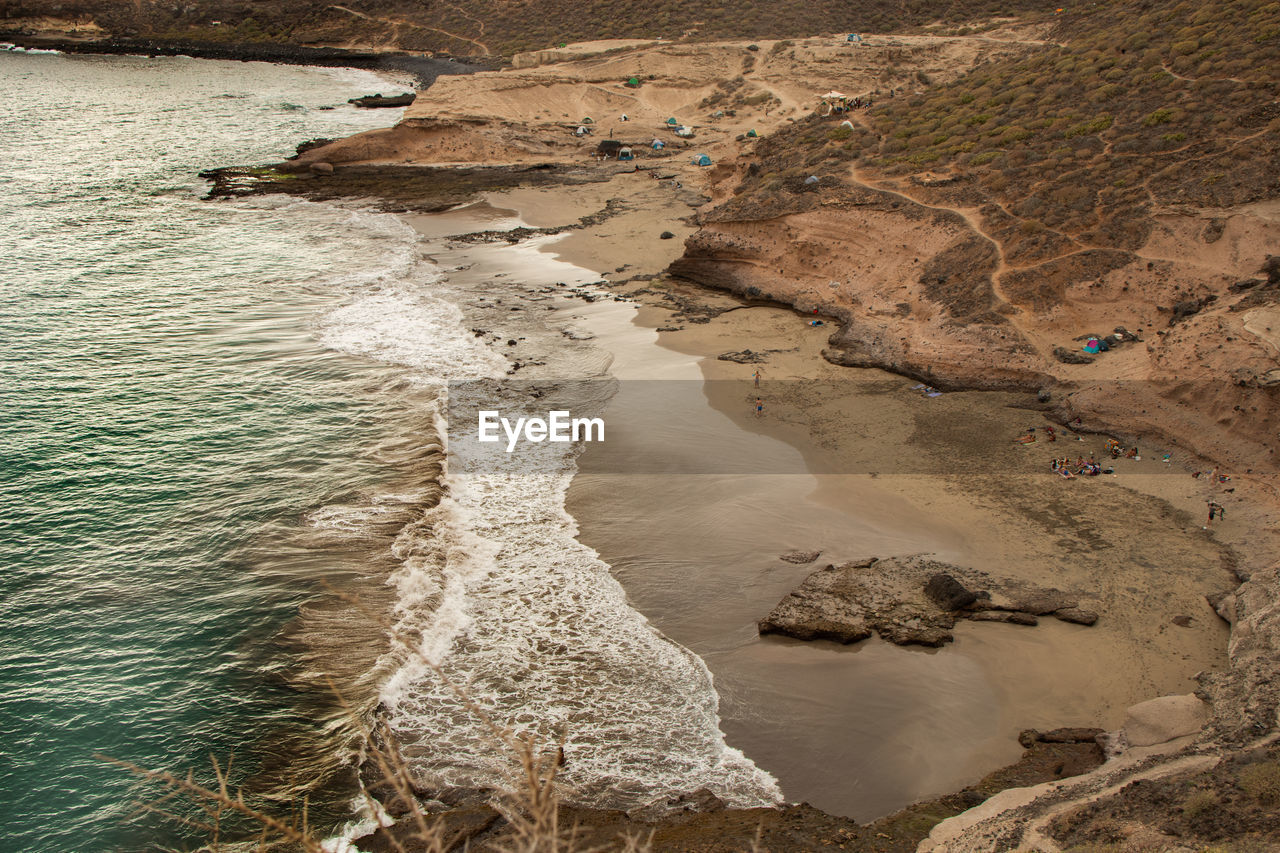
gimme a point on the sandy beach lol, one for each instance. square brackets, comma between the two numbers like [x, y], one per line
[854, 463]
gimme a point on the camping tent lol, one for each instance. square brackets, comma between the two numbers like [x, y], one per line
[634, 82]
[847, 123]
[672, 121]
[684, 131]
[702, 160]
[588, 120]
[625, 154]
[853, 37]
[752, 133]
[658, 145]
[581, 131]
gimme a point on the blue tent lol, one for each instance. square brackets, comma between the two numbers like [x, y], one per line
[853, 37]
[672, 121]
[702, 160]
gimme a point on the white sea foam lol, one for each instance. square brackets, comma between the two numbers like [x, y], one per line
[494, 588]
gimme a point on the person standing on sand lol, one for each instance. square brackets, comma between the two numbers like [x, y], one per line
[756, 375]
[759, 407]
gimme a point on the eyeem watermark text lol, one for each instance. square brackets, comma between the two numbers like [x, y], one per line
[557, 426]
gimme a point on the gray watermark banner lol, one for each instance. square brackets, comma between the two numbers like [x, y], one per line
[878, 426]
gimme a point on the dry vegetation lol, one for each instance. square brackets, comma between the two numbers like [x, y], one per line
[503, 27]
[1230, 809]
[1071, 147]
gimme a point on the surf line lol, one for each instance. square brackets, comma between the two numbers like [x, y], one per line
[558, 426]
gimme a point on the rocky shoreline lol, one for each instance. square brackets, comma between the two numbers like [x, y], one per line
[424, 68]
[1241, 701]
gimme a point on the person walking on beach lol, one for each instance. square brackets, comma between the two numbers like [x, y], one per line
[1215, 508]
[756, 375]
[759, 407]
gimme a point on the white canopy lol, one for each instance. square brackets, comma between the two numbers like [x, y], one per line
[834, 95]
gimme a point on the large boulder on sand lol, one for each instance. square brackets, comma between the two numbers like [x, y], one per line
[1163, 719]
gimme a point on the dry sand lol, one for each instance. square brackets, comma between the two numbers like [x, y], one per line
[863, 730]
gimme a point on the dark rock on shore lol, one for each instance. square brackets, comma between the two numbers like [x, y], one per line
[745, 356]
[910, 601]
[422, 189]
[948, 593]
[380, 101]
[1010, 617]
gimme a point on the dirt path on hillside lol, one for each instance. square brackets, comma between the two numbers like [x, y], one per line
[398, 23]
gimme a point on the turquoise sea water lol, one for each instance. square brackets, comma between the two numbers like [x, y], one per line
[215, 414]
[166, 415]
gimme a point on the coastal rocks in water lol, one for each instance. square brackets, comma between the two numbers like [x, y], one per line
[799, 558]
[910, 601]
[814, 613]
[701, 800]
[375, 101]
[1163, 719]
[310, 144]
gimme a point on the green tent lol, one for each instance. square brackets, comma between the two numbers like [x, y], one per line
[752, 133]
[672, 122]
[588, 120]
[634, 82]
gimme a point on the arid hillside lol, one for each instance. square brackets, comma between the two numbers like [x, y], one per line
[480, 27]
[1118, 180]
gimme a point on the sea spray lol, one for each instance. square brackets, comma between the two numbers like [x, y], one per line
[495, 597]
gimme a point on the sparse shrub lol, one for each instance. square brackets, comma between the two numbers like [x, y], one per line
[1262, 782]
[1161, 116]
[1199, 804]
[1097, 125]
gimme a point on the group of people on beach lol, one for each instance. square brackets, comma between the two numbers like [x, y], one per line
[1116, 450]
[1091, 467]
[1082, 467]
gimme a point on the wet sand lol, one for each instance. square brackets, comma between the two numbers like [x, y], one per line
[857, 730]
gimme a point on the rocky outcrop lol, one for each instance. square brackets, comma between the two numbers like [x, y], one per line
[910, 601]
[1186, 771]
[1163, 719]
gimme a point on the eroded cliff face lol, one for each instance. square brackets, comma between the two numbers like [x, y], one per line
[1177, 790]
[925, 280]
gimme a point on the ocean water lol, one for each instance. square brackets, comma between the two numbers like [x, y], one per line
[218, 420]
[166, 412]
